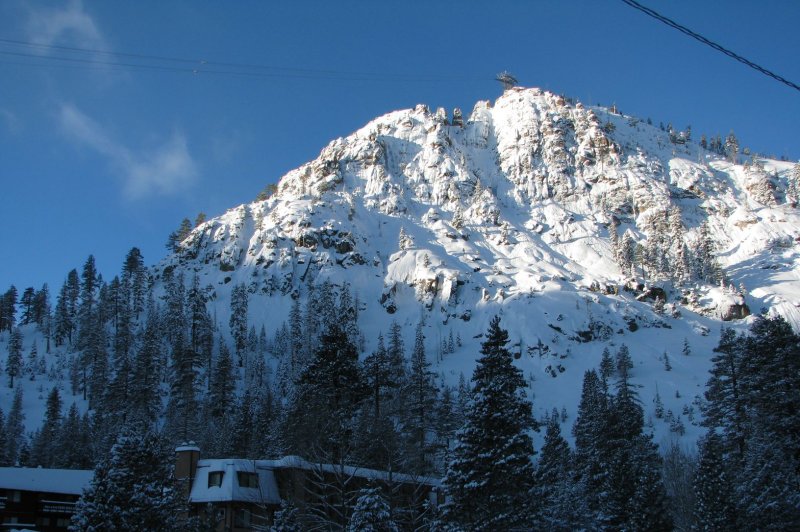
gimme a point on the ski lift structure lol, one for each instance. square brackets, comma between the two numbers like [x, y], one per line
[507, 79]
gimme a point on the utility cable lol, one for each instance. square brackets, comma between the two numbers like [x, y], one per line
[708, 42]
[202, 66]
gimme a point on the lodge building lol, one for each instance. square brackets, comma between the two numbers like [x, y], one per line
[236, 494]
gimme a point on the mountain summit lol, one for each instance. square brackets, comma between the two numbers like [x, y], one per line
[581, 226]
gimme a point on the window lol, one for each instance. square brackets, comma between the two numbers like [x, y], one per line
[241, 518]
[15, 496]
[247, 480]
[215, 478]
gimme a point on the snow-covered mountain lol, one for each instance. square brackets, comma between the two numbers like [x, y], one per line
[523, 209]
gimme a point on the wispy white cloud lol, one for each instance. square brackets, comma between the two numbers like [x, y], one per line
[9, 121]
[167, 169]
[68, 24]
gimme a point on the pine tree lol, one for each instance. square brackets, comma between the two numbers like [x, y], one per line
[174, 322]
[793, 186]
[145, 401]
[220, 396]
[731, 147]
[133, 489]
[726, 407]
[633, 495]
[608, 367]
[179, 235]
[405, 241]
[4, 461]
[87, 316]
[65, 318]
[134, 282]
[73, 441]
[491, 473]
[768, 487]
[558, 495]
[706, 267]
[715, 507]
[15, 428]
[624, 362]
[770, 384]
[94, 362]
[238, 320]
[396, 360]
[26, 301]
[32, 367]
[627, 256]
[376, 373]
[286, 519]
[371, 513]
[182, 407]
[14, 362]
[591, 435]
[241, 437]
[42, 314]
[420, 393]
[8, 309]
[46, 446]
[201, 326]
[326, 399]
[296, 337]
[448, 421]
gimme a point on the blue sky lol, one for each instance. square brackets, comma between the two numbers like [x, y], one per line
[98, 155]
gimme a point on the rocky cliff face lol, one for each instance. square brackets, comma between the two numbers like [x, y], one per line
[556, 215]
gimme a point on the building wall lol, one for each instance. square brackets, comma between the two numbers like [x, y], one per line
[47, 512]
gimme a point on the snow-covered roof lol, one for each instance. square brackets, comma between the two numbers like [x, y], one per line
[267, 490]
[65, 481]
[229, 488]
[295, 462]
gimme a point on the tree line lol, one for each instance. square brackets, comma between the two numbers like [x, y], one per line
[155, 364]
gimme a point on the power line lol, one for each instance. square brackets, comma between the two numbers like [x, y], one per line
[202, 66]
[708, 42]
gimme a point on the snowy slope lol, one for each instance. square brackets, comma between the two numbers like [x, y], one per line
[512, 212]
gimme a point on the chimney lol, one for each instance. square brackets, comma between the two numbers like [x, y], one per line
[186, 457]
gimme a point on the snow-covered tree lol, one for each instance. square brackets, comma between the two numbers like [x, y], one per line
[133, 489]
[145, 401]
[405, 241]
[8, 309]
[793, 185]
[238, 320]
[418, 422]
[179, 235]
[65, 315]
[75, 449]
[326, 399]
[558, 494]
[14, 361]
[4, 461]
[371, 513]
[46, 445]
[491, 474]
[715, 507]
[286, 519]
[731, 147]
[15, 428]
